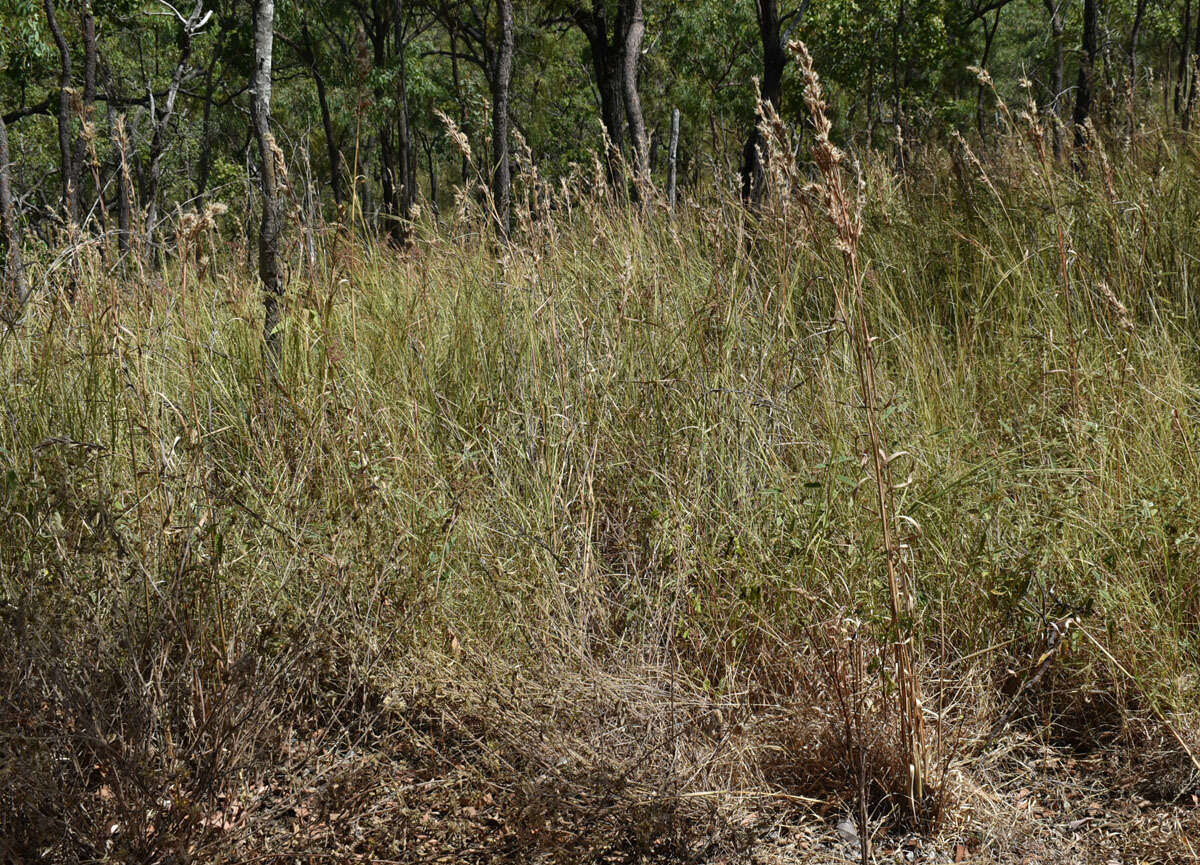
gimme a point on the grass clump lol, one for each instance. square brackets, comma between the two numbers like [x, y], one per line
[565, 546]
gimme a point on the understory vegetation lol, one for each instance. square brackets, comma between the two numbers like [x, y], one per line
[567, 549]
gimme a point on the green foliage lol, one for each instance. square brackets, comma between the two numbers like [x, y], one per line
[884, 61]
[22, 47]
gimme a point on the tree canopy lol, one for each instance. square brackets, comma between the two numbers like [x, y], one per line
[363, 89]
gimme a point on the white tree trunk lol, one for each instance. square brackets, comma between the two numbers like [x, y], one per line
[673, 173]
[271, 163]
[634, 35]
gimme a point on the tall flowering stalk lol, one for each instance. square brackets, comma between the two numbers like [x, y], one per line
[845, 214]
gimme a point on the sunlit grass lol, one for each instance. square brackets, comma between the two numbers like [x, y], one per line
[638, 436]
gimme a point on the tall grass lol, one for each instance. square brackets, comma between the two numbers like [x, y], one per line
[586, 513]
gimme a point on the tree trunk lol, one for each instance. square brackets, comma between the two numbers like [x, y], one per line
[631, 55]
[673, 166]
[335, 168]
[389, 176]
[989, 35]
[331, 145]
[606, 66]
[433, 181]
[14, 268]
[612, 116]
[162, 123]
[205, 170]
[124, 187]
[1058, 73]
[897, 96]
[1191, 89]
[1087, 69]
[774, 60]
[501, 81]
[70, 183]
[407, 169]
[462, 104]
[1134, 32]
[405, 196]
[268, 236]
[1185, 58]
[87, 26]
[116, 123]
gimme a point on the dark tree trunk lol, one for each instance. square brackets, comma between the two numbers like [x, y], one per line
[608, 85]
[406, 169]
[774, 61]
[501, 81]
[1087, 69]
[458, 95]
[1058, 73]
[1185, 58]
[1191, 89]
[335, 166]
[124, 188]
[989, 34]
[897, 91]
[607, 66]
[15, 287]
[206, 129]
[331, 144]
[635, 33]
[268, 236]
[87, 27]
[1134, 32]
[120, 138]
[389, 175]
[70, 183]
[427, 146]
[162, 123]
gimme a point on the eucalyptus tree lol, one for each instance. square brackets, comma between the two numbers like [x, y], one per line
[615, 31]
[404, 24]
[1089, 46]
[87, 33]
[635, 33]
[1185, 56]
[486, 29]
[604, 26]
[306, 46]
[774, 28]
[360, 83]
[14, 268]
[70, 182]
[388, 29]
[189, 28]
[1191, 75]
[19, 47]
[501, 82]
[1057, 10]
[271, 160]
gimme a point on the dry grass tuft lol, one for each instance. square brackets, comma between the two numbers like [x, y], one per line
[563, 552]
